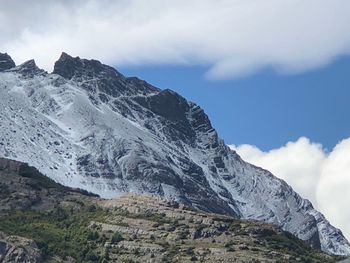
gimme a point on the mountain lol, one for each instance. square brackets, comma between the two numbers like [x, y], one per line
[6, 62]
[43, 221]
[87, 126]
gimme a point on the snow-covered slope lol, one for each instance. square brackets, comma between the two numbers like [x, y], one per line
[86, 125]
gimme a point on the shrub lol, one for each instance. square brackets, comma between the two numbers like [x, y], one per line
[93, 235]
[4, 190]
[116, 238]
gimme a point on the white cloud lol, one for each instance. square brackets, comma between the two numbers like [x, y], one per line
[299, 163]
[333, 189]
[321, 177]
[232, 37]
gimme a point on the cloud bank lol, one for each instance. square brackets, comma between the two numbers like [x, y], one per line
[321, 177]
[232, 37]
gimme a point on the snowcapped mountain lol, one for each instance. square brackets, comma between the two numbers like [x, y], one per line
[86, 125]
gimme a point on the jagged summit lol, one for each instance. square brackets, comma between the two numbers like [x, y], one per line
[6, 62]
[69, 67]
[29, 69]
[106, 78]
[88, 126]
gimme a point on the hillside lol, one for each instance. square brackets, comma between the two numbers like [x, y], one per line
[42, 221]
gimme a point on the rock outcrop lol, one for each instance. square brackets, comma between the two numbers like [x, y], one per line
[15, 249]
[6, 62]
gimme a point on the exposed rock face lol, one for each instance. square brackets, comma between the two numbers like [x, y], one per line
[86, 125]
[101, 79]
[28, 69]
[14, 249]
[6, 62]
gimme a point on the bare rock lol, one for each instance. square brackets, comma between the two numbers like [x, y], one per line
[18, 249]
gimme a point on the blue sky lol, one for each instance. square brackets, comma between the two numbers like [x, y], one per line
[266, 109]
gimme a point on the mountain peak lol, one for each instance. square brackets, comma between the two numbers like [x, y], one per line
[106, 79]
[29, 68]
[66, 65]
[6, 62]
[69, 67]
[64, 56]
[29, 64]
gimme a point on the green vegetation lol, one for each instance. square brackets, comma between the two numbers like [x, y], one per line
[116, 238]
[61, 232]
[159, 218]
[184, 233]
[41, 181]
[76, 232]
[234, 226]
[287, 242]
[4, 190]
